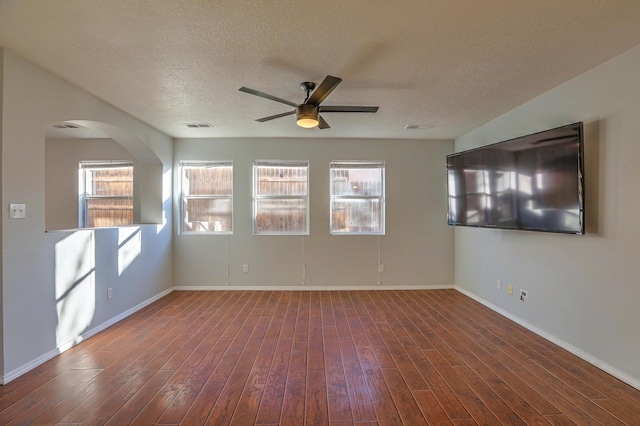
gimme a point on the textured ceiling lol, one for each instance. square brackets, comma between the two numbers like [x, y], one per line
[449, 64]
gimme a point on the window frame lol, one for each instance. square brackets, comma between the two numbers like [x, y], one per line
[256, 198]
[84, 198]
[358, 164]
[182, 196]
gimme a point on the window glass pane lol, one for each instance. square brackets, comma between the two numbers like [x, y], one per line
[207, 214]
[281, 215]
[280, 197]
[207, 180]
[281, 180]
[109, 181]
[356, 181]
[109, 212]
[357, 197]
[206, 196]
[356, 215]
[106, 190]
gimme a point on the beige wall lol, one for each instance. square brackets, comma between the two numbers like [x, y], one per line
[583, 290]
[417, 249]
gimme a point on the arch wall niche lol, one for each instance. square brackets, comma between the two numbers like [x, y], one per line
[106, 142]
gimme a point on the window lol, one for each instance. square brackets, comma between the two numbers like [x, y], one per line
[357, 197]
[206, 197]
[280, 197]
[106, 194]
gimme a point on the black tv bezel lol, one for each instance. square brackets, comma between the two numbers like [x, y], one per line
[581, 183]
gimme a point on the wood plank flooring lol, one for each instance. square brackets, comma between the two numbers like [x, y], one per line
[336, 358]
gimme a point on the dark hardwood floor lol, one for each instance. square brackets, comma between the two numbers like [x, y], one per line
[341, 358]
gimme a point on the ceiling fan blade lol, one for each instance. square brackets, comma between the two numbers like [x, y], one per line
[273, 117]
[348, 109]
[322, 124]
[267, 96]
[326, 87]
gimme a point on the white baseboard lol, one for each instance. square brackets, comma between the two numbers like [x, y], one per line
[313, 287]
[631, 381]
[7, 377]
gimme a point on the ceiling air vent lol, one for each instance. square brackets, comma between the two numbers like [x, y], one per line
[66, 126]
[417, 126]
[198, 125]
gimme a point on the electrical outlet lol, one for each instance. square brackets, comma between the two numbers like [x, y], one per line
[510, 289]
[499, 285]
[245, 268]
[381, 267]
[109, 293]
[523, 294]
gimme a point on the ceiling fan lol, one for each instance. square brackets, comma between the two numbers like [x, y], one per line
[308, 112]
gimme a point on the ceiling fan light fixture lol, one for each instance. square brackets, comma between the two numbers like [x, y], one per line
[308, 113]
[307, 116]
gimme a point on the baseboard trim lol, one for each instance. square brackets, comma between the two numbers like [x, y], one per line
[312, 287]
[6, 378]
[631, 381]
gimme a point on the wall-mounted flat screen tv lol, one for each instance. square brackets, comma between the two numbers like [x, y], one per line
[533, 183]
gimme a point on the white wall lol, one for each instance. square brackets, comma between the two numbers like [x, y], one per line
[417, 249]
[583, 290]
[54, 284]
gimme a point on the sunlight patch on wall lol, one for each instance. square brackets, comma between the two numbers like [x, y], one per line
[75, 286]
[166, 185]
[166, 198]
[129, 246]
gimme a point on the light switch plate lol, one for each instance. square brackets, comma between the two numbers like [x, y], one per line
[17, 211]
